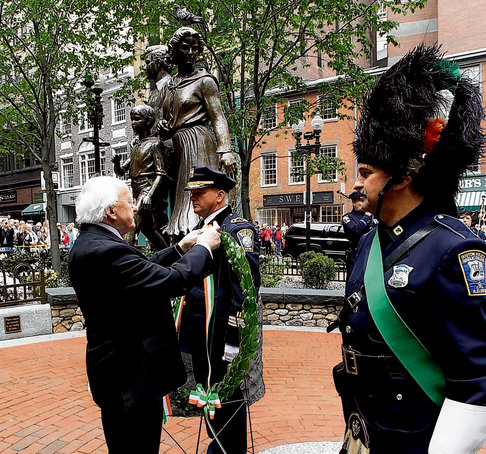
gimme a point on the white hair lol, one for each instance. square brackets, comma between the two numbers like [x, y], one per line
[97, 194]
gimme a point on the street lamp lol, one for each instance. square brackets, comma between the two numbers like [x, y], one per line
[307, 149]
[95, 116]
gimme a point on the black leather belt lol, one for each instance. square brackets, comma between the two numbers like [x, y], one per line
[355, 363]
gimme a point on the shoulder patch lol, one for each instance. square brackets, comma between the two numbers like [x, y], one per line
[473, 268]
[246, 239]
[346, 219]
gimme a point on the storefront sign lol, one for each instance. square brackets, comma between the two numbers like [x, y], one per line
[323, 197]
[283, 199]
[473, 183]
[8, 196]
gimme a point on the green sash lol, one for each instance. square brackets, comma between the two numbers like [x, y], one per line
[398, 336]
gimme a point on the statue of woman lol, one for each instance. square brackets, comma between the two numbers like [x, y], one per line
[192, 101]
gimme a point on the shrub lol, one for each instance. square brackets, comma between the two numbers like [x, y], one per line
[317, 269]
[271, 269]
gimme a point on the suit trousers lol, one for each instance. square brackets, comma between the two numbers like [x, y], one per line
[135, 431]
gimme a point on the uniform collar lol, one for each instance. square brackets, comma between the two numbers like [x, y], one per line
[216, 214]
[419, 217]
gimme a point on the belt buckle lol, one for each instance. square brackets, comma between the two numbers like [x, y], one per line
[349, 359]
[353, 301]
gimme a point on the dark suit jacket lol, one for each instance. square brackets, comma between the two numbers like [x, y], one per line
[133, 356]
[9, 235]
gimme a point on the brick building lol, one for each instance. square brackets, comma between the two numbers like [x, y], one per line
[75, 156]
[276, 196]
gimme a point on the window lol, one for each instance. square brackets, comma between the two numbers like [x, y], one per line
[269, 117]
[296, 167]
[119, 111]
[272, 216]
[295, 104]
[269, 169]
[123, 152]
[331, 152]
[327, 108]
[87, 165]
[67, 172]
[473, 73]
[320, 61]
[330, 213]
[84, 123]
[64, 125]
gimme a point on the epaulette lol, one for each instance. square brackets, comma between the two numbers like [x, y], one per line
[238, 220]
[453, 224]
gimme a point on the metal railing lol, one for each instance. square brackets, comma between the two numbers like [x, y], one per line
[22, 285]
[288, 266]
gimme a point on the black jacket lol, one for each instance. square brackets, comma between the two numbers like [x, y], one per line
[133, 357]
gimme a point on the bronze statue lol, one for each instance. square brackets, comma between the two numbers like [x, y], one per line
[149, 179]
[158, 67]
[192, 101]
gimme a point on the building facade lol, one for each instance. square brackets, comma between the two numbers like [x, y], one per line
[278, 196]
[75, 152]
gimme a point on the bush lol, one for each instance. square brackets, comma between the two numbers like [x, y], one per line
[316, 269]
[271, 269]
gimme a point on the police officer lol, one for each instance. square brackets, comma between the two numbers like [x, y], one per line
[466, 216]
[413, 376]
[355, 224]
[209, 196]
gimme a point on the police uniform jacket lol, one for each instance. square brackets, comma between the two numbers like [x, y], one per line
[438, 287]
[355, 225]
[228, 296]
[133, 356]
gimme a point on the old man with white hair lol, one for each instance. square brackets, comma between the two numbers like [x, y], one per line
[133, 357]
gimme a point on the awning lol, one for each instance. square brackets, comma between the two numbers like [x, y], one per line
[34, 208]
[471, 199]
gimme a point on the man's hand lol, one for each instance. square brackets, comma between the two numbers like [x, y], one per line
[209, 237]
[189, 240]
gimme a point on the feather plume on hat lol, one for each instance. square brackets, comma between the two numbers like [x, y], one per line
[422, 119]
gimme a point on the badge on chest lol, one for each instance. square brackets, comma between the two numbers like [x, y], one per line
[399, 278]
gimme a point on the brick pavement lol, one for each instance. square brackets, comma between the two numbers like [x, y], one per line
[45, 407]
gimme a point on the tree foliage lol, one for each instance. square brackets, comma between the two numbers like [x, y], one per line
[257, 48]
[47, 48]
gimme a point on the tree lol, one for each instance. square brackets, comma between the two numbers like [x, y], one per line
[47, 48]
[257, 47]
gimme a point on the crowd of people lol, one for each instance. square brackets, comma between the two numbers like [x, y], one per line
[26, 235]
[271, 238]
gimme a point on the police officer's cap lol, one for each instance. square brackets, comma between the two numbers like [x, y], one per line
[205, 177]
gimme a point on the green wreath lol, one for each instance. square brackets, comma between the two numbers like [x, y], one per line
[248, 332]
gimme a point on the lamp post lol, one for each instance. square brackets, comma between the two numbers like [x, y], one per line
[95, 116]
[307, 149]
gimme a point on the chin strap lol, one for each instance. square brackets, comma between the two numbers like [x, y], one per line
[382, 193]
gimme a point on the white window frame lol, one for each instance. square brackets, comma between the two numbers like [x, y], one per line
[292, 166]
[64, 165]
[264, 170]
[295, 101]
[325, 111]
[269, 117]
[321, 151]
[87, 165]
[65, 127]
[84, 123]
[331, 213]
[116, 149]
[116, 109]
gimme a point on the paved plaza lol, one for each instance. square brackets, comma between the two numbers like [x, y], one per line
[45, 406]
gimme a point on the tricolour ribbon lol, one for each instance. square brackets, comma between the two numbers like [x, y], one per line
[209, 400]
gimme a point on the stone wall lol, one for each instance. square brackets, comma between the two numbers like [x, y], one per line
[281, 307]
[301, 307]
[65, 311]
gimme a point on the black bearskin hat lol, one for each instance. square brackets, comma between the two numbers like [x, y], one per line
[422, 119]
